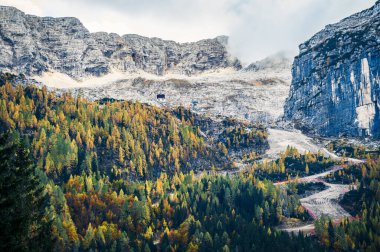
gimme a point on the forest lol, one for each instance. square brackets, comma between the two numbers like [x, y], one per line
[79, 175]
[363, 203]
[292, 164]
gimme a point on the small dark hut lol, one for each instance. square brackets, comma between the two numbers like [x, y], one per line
[161, 97]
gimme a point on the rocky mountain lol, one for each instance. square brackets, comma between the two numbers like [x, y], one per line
[33, 45]
[335, 87]
[277, 62]
[62, 54]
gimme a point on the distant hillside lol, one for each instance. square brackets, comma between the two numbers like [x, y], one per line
[120, 139]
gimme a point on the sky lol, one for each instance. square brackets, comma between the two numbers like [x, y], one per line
[257, 28]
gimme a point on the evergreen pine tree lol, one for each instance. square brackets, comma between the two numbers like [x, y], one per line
[22, 201]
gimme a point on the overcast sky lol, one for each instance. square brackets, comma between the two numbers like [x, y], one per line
[257, 28]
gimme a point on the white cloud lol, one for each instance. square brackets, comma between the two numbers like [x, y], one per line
[256, 28]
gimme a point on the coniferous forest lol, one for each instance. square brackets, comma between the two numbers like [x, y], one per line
[79, 175]
[170, 126]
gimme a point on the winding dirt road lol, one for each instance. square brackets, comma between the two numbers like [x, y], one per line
[324, 202]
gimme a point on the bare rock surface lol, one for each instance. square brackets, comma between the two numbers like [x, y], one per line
[34, 45]
[62, 54]
[336, 86]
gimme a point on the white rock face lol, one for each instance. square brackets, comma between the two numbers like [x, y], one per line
[335, 86]
[366, 110]
[365, 115]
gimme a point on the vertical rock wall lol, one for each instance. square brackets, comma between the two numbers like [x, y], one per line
[335, 86]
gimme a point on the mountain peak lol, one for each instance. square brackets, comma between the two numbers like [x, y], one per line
[6, 8]
[34, 45]
[349, 24]
[276, 62]
[9, 13]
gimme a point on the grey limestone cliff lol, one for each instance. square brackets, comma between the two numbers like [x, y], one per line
[335, 87]
[32, 45]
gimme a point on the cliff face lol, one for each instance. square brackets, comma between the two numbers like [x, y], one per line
[32, 45]
[335, 87]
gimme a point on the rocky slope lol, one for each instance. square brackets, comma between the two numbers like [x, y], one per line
[254, 96]
[335, 87]
[33, 45]
[62, 54]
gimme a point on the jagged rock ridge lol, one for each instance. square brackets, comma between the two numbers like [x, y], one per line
[32, 45]
[62, 54]
[335, 87]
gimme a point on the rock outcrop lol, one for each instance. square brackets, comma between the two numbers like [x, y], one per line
[277, 62]
[32, 45]
[335, 88]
